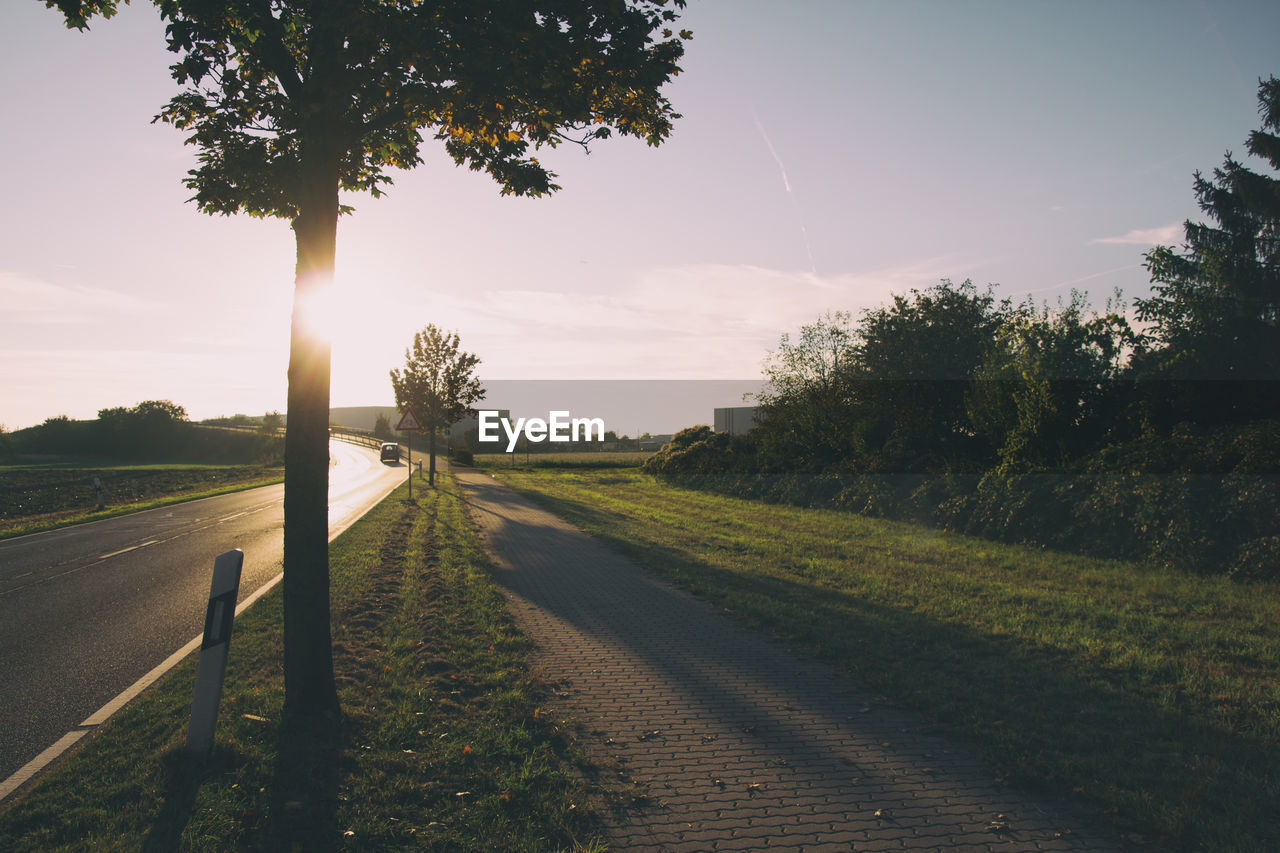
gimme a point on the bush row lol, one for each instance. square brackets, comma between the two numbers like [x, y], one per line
[1192, 500]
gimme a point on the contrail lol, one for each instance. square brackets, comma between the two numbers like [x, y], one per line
[772, 150]
[1085, 278]
[782, 170]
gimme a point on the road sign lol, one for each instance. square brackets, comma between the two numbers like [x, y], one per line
[408, 423]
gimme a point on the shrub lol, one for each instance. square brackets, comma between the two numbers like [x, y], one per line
[1258, 560]
[697, 451]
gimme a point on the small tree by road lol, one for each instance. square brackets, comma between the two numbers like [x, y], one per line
[437, 384]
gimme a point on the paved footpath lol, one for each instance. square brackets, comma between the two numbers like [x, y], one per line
[740, 745]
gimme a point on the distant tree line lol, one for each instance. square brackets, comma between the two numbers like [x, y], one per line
[154, 430]
[1055, 425]
[269, 423]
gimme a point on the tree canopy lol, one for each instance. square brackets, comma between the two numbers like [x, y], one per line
[269, 87]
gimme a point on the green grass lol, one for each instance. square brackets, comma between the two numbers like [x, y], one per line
[1145, 698]
[444, 743]
[578, 459]
[35, 498]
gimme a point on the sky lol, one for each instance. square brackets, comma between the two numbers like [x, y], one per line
[831, 153]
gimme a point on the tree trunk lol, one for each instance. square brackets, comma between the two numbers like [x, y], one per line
[308, 654]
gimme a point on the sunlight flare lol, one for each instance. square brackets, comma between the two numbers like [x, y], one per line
[318, 307]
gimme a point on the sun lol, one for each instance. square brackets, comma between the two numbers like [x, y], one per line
[341, 311]
[318, 310]
[362, 325]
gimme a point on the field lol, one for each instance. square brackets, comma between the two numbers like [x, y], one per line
[1151, 699]
[34, 498]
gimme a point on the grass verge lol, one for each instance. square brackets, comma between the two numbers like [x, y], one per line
[1152, 698]
[444, 744]
[574, 459]
[33, 499]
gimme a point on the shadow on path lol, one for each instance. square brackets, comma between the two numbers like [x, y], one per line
[734, 735]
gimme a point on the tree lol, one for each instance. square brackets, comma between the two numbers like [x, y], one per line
[272, 422]
[914, 362]
[437, 384]
[887, 394]
[1216, 308]
[382, 427]
[1046, 390]
[805, 411]
[151, 428]
[290, 102]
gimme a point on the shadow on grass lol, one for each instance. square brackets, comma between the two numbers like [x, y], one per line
[304, 800]
[1051, 720]
[184, 776]
[303, 807]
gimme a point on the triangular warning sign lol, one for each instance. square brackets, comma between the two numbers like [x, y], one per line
[408, 423]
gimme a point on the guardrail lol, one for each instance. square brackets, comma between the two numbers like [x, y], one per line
[352, 436]
[242, 428]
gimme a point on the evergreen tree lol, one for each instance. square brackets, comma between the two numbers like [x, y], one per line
[1215, 313]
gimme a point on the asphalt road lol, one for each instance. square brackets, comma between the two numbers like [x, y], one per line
[86, 611]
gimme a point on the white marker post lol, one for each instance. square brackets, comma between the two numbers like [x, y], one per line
[213, 651]
[408, 423]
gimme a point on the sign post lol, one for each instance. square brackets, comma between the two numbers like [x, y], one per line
[213, 651]
[408, 423]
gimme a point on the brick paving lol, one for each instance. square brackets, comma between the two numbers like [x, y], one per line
[739, 744]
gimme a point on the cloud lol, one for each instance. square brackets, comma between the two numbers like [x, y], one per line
[693, 321]
[697, 300]
[1163, 236]
[32, 301]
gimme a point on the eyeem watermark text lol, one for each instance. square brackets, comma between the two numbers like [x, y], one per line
[558, 427]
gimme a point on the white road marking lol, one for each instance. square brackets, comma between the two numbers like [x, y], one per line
[118, 553]
[127, 550]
